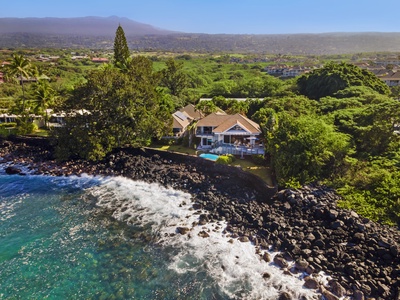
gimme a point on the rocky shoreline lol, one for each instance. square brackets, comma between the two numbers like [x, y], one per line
[305, 225]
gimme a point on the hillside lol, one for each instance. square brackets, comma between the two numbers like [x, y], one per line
[98, 33]
[85, 26]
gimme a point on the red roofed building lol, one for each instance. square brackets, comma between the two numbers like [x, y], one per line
[100, 60]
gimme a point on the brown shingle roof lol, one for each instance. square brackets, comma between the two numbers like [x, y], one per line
[192, 112]
[392, 76]
[179, 122]
[223, 123]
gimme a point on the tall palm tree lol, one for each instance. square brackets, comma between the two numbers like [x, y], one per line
[21, 68]
[44, 96]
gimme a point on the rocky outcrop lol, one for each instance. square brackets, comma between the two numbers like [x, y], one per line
[306, 225]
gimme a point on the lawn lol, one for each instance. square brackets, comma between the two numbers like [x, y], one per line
[264, 172]
[175, 148]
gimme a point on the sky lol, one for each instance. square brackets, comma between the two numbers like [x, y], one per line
[227, 16]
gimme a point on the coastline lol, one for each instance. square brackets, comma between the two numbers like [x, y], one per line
[305, 225]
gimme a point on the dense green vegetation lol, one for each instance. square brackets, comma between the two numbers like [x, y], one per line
[336, 125]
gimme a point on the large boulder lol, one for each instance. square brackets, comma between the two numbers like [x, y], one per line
[11, 170]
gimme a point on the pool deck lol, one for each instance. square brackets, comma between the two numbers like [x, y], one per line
[232, 149]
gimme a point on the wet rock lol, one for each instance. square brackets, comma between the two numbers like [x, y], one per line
[13, 170]
[266, 275]
[244, 239]
[301, 265]
[266, 257]
[203, 234]
[182, 230]
[280, 262]
[284, 296]
[311, 283]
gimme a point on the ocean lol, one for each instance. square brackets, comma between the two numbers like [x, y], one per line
[92, 237]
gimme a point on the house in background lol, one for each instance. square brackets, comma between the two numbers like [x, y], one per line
[234, 134]
[392, 78]
[100, 60]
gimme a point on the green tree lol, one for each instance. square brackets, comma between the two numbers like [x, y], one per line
[372, 127]
[335, 77]
[207, 107]
[117, 108]
[121, 50]
[174, 78]
[305, 148]
[19, 68]
[238, 107]
[44, 95]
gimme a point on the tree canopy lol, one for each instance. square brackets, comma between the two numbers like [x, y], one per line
[305, 148]
[121, 50]
[334, 77]
[114, 108]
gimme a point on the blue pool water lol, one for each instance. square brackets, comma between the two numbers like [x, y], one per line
[209, 156]
[113, 238]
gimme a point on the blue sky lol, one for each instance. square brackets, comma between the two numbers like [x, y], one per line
[228, 16]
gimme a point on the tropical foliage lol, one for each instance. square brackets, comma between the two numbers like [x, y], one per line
[114, 108]
[337, 125]
[335, 77]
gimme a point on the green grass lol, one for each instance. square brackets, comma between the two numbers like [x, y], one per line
[41, 133]
[175, 148]
[6, 132]
[264, 172]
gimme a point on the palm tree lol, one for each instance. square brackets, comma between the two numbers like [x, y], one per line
[44, 95]
[21, 68]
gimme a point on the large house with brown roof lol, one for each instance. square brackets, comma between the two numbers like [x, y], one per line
[226, 133]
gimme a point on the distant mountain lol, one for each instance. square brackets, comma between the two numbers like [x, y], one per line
[99, 32]
[85, 26]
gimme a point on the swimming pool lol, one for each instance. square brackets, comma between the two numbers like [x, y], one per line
[209, 156]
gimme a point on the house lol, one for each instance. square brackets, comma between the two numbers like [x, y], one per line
[233, 134]
[100, 60]
[180, 123]
[392, 79]
[295, 71]
[8, 118]
[183, 118]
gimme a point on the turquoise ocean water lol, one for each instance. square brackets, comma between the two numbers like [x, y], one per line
[114, 238]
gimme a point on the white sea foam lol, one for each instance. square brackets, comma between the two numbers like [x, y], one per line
[235, 266]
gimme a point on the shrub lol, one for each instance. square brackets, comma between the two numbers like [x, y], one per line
[225, 159]
[231, 156]
[258, 159]
[8, 125]
[166, 141]
[26, 128]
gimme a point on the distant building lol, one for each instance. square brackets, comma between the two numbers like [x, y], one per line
[79, 57]
[100, 60]
[392, 78]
